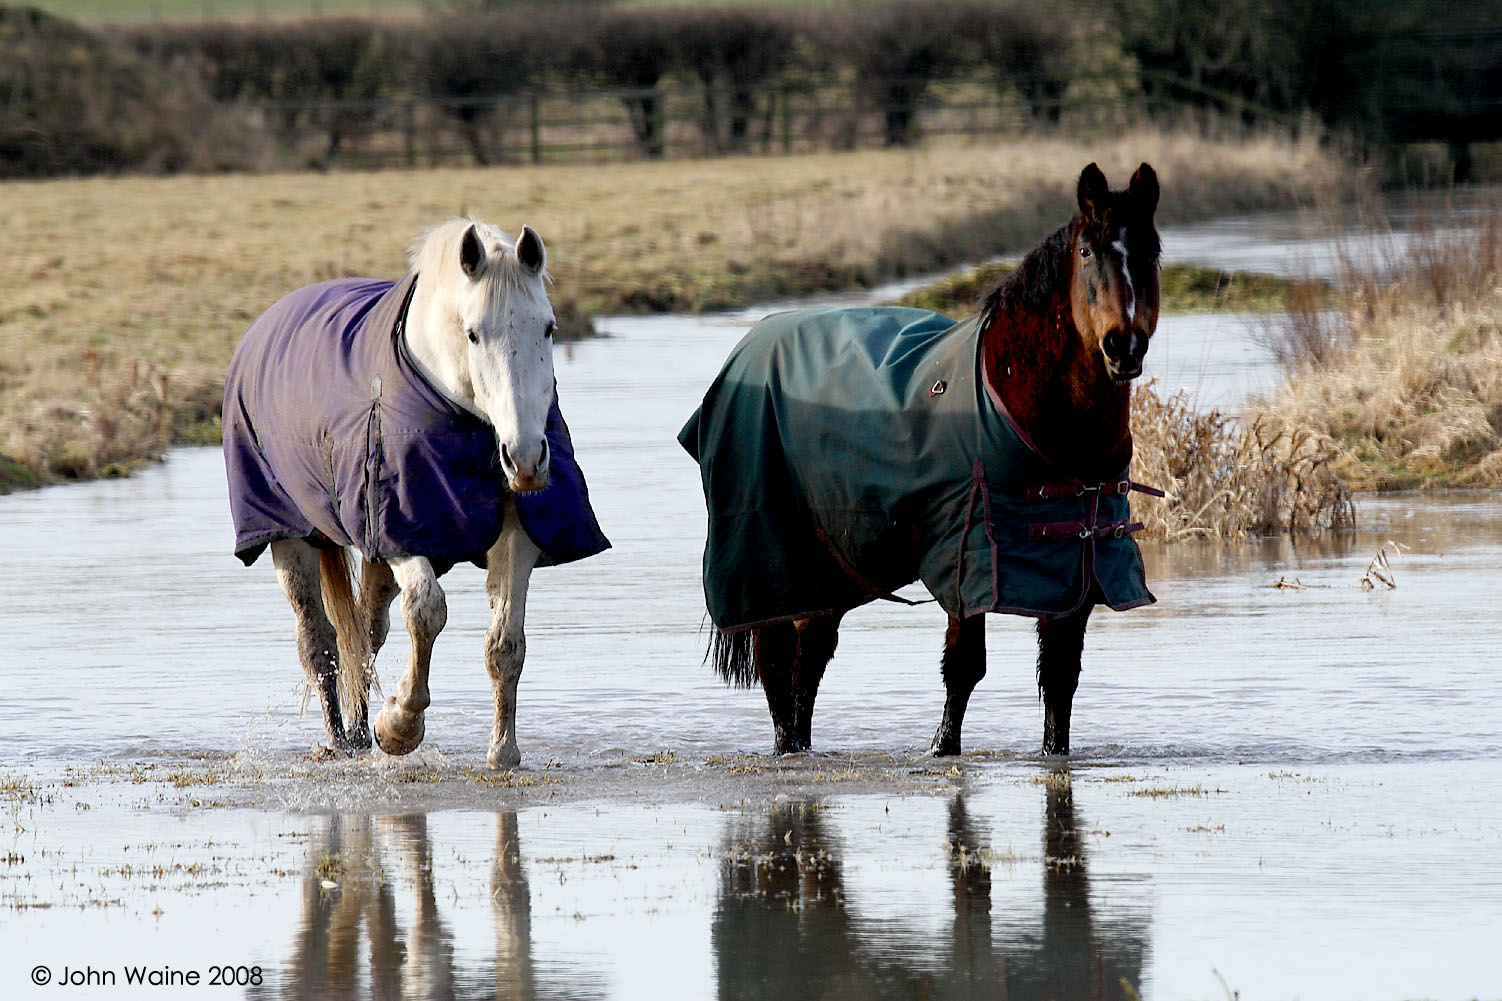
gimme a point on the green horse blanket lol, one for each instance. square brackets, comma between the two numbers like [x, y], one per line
[847, 452]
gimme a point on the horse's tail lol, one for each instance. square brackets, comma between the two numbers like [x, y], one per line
[355, 658]
[734, 657]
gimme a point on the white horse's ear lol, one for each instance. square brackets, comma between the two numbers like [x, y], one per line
[530, 251]
[471, 253]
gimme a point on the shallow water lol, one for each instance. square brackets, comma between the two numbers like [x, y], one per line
[1292, 789]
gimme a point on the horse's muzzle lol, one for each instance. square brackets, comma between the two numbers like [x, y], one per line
[1124, 351]
[525, 481]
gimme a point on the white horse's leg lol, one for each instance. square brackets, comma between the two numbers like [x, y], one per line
[317, 644]
[377, 588]
[399, 726]
[509, 562]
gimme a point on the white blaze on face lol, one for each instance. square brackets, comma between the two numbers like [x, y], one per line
[1126, 272]
[511, 365]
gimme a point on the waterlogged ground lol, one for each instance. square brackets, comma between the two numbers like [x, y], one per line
[1277, 791]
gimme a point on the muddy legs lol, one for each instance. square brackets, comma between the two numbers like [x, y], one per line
[399, 726]
[1060, 642]
[510, 564]
[964, 664]
[317, 644]
[790, 660]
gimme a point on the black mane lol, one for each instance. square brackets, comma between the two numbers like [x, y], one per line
[1032, 284]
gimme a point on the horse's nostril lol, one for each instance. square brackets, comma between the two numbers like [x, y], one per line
[506, 461]
[1115, 343]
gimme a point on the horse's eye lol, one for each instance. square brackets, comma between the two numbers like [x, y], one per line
[552, 326]
[474, 338]
[1084, 251]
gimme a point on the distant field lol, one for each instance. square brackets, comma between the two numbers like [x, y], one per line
[123, 297]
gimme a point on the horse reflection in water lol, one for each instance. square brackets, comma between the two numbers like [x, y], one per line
[360, 908]
[782, 895]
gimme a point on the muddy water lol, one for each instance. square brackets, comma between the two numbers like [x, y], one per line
[1289, 790]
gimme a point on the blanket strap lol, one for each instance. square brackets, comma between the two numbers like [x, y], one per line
[1074, 488]
[861, 580]
[1083, 529]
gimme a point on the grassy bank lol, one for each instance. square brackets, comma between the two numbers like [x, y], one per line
[1184, 288]
[1406, 376]
[122, 299]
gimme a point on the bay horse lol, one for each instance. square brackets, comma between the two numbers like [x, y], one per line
[409, 425]
[845, 453]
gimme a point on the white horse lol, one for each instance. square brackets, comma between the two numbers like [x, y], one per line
[474, 321]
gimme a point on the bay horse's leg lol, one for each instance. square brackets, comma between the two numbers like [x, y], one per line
[963, 665]
[399, 725]
[775, 650]
[377, 588]
[817, 638]
[317, 644]
[509, 562]
[1060, 643]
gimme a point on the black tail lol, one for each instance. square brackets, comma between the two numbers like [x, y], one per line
[734, 658]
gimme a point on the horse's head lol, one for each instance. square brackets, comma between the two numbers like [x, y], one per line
[487, 321]
[1113, 285]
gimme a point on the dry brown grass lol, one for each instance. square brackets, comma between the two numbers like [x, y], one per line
[121, 299]
[1412, 387]
[1231, 477]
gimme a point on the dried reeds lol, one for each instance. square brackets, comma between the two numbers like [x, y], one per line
[1412, 386]
[1231, 477]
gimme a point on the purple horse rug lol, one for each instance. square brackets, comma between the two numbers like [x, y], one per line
[332, 435]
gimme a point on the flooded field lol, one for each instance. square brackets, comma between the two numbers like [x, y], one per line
[1276, 792]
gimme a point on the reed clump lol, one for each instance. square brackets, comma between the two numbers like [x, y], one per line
[1228, 476]
[1407, 375]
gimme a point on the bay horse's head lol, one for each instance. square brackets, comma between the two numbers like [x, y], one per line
[487, 323]
[1113, 285]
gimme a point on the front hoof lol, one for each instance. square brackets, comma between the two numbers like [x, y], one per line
[503, 757]
[944, 749]
[788, 745]
[398, 731]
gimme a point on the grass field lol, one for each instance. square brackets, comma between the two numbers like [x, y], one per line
[121, 299]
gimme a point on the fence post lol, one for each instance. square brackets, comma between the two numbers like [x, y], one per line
[536, 127]
[409, 131]
[786, 116]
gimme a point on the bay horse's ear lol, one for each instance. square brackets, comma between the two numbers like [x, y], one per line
[1093, 194]
[530, 251]
[1144, 189]
[471, 253]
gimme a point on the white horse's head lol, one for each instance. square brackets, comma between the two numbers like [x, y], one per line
[481, 327]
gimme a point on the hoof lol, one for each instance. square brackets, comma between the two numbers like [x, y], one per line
[504, 757]
[326, 753]
[398, 731]
[945, 750]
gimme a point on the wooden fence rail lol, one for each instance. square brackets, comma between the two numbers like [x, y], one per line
[560, 126]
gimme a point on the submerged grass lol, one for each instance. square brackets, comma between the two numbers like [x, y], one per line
[121, 299]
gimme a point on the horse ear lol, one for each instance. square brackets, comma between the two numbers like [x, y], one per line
[471, 253]
[530, 251]
[1144, 189]
[1094, 193]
